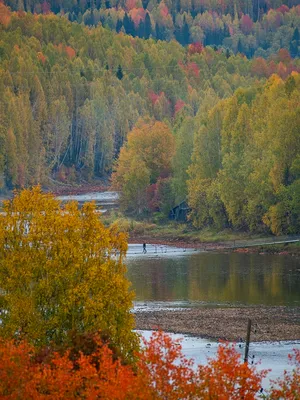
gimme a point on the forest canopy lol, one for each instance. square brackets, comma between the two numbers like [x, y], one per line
[254, 28]
[69, 94]
[245, 163]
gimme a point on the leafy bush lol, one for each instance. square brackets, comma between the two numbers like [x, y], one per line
[92, 370]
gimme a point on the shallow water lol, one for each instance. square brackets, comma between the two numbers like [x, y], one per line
[268, 355]
[171, 277]
[104, 200]
[94, 196]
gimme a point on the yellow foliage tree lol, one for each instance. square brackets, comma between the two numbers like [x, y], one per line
[146, 156]
[62, 272]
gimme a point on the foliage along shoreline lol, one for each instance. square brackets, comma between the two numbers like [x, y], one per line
[66, 323]
[89, 369]
[238, 169]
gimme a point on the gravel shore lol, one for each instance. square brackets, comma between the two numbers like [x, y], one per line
[226, 323]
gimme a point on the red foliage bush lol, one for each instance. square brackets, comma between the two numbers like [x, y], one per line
[71, 53]
[195, 48]
[5, 15]
[137, 15]
[246, 24]
[191, 68]
[161, 372]
[179, 105]
[283, 9]
[289, 386]
[41, 57]
[154, 97]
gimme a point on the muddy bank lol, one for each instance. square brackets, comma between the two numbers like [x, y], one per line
[182, 243]
[71, 190]
[268, 323]
[220, 246]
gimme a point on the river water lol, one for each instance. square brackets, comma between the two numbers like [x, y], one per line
[183, 277]
[103, 200]
[187, 278]
[167, 278]
[272, 356]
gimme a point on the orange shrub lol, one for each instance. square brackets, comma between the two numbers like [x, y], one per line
[162, 372]
[5, 15]
[289, 387]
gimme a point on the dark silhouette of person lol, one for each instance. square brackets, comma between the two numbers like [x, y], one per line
[144, 248]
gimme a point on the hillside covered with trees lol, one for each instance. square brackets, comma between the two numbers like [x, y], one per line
[185, 102]
[70, 95]
[257, 28]
[246, 157]
[237, 163]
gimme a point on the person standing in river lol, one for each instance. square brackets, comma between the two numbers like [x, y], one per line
[144, 248]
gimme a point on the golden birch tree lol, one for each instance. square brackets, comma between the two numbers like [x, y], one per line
[62, 272]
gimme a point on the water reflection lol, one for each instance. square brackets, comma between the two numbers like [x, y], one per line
[217, 278]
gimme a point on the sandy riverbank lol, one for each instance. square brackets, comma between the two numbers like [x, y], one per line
[227, 323]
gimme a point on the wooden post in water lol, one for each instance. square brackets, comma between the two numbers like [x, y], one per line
[247, 341]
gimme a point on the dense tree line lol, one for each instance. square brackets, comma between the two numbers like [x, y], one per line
[238, 32]
[245, 162]
[236, 162]
[257, 28]
[70, 94]
[253, 8]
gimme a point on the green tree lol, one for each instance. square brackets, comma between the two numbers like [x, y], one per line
[148, 26]
[134, 189]
[119, 73]
[205, 166]
[235, 169]
[184, 139]
[11, 163]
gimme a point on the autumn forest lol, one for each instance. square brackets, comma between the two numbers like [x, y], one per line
[203, 120]
[167, 102]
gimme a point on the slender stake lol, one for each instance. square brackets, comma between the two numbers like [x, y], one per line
[247, 341]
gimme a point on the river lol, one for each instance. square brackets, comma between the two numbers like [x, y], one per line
[172, 278]
[187, 278]
[272, 356]
[167, 278]
[103, 200]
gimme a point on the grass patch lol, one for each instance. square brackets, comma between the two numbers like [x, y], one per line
[174, 231]
[291, 248]
[128, 225]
